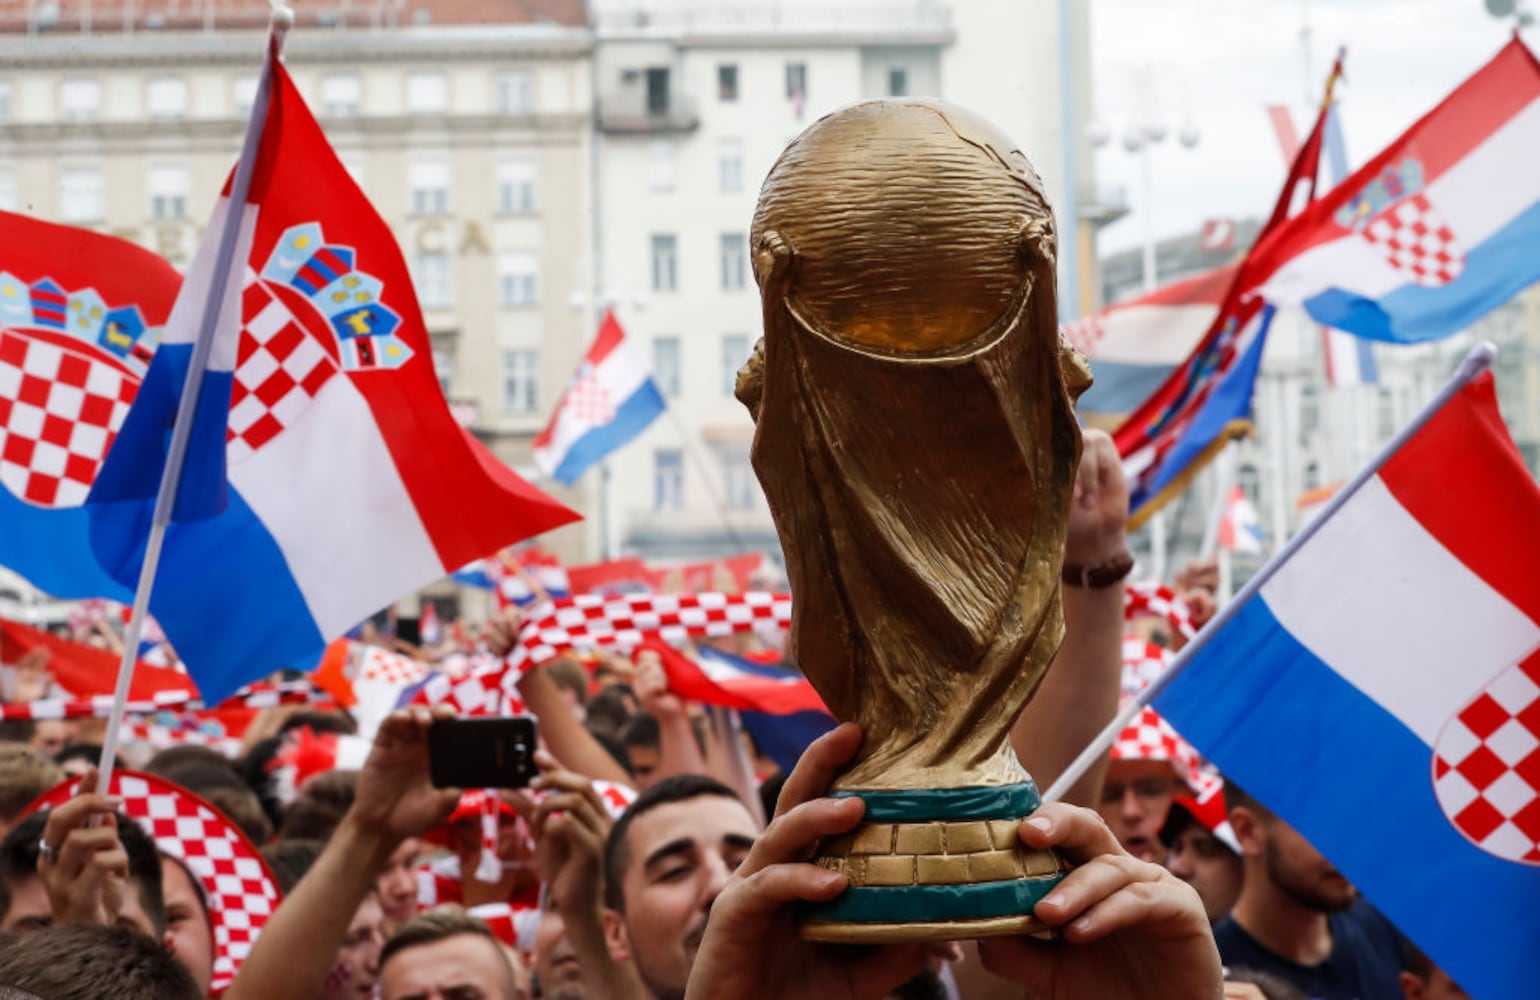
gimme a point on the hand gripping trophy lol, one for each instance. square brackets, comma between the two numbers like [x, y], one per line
[916, 439]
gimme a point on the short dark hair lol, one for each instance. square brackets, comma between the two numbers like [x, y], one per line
[441, 924]
[88, 960]
[25, 773]
[607, 712]
[91, 753]
[193, 758]
[16, 730]
[674, 788]
[642, 731]
[616, 749]
[18, 860]
[1237, 797]
[291, 859]
[320, 807]
[319, 721]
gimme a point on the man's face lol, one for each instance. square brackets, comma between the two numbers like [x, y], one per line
[679, 857]
[50, 735]
[357, 966]
[1203, 861]
[29, 906]
[556, 964]
[397, 884]
[1301, 872]
[644, 765]
[1135, 799]
[461, 967]
[188, 934]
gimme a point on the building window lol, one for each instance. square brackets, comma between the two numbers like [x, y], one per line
[729, 166]
[429, 184]
[166, 97]
[658, 101]
[515, 93]
[898, 82]
[1312, 475]
[668, 479]
[5, 102]
[735, 254]
[81, 197]
[796, 81]
[444, 367]
[80, 100]
[665, 364]
[515, 187]
[243, 93]
[168, 192]
[727, 82]
[431, 275]
[740, 488]
[516, 278]
[7, 190]
[665, 263]
[521, 381]
[735, 351]
[660, 166]
[1386, 411]
[1309, 410]
[427, 93]
[341, 96]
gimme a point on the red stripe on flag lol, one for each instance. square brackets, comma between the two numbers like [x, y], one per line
[609, 338]
[1464, 462]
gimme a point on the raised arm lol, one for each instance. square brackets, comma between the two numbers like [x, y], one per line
[1079, 695]
[394, 800]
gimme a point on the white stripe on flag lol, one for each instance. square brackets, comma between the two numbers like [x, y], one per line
[1400, 606]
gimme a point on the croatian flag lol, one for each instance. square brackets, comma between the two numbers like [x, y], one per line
[349, 482]
[610, 400]
[1349, 359]
[1240, 529]
[1381, 693]
[778, 707]
[80, 315]
[1134, 346]
[1436, 231]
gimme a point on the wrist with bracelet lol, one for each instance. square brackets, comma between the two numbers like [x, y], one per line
[1096, 576]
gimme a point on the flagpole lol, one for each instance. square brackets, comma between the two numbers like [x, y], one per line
[281, 20]
[1477, 361]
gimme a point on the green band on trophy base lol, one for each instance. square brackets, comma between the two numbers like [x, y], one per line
[933, 902]
[923, 804]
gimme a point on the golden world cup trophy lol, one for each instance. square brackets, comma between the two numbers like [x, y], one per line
[916, 438]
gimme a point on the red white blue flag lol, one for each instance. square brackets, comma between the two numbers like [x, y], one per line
[1381, 693]
[610, 400]
[349, 482]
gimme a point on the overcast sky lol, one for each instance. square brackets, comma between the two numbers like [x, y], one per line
[1218, 63]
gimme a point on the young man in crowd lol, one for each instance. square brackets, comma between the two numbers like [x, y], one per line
[1298, 917]
[445, 954]
[1208, 860]
[706, 906]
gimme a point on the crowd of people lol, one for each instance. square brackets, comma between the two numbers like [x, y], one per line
[658, 853]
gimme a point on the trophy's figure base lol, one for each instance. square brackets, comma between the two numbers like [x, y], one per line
[935, 865]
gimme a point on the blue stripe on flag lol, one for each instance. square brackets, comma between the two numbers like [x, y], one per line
[1493, 273]
[641, 408]
[1358, 784]
[51, 548]
[1120, 386]
[228, 563]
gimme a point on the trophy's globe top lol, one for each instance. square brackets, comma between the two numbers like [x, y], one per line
[905, 222]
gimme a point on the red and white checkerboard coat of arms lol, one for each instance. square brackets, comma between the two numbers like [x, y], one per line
[1394, 214]
[70, 366]
[1486, 765]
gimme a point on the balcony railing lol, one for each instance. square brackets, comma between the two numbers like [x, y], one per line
[772, 16]
[630, 111]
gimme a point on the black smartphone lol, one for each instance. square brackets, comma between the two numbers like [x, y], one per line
[482, 752]
[409, 630]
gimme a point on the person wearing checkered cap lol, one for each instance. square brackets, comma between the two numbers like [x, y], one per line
[1149, 765]
[1298, 917]
[1202, 851]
